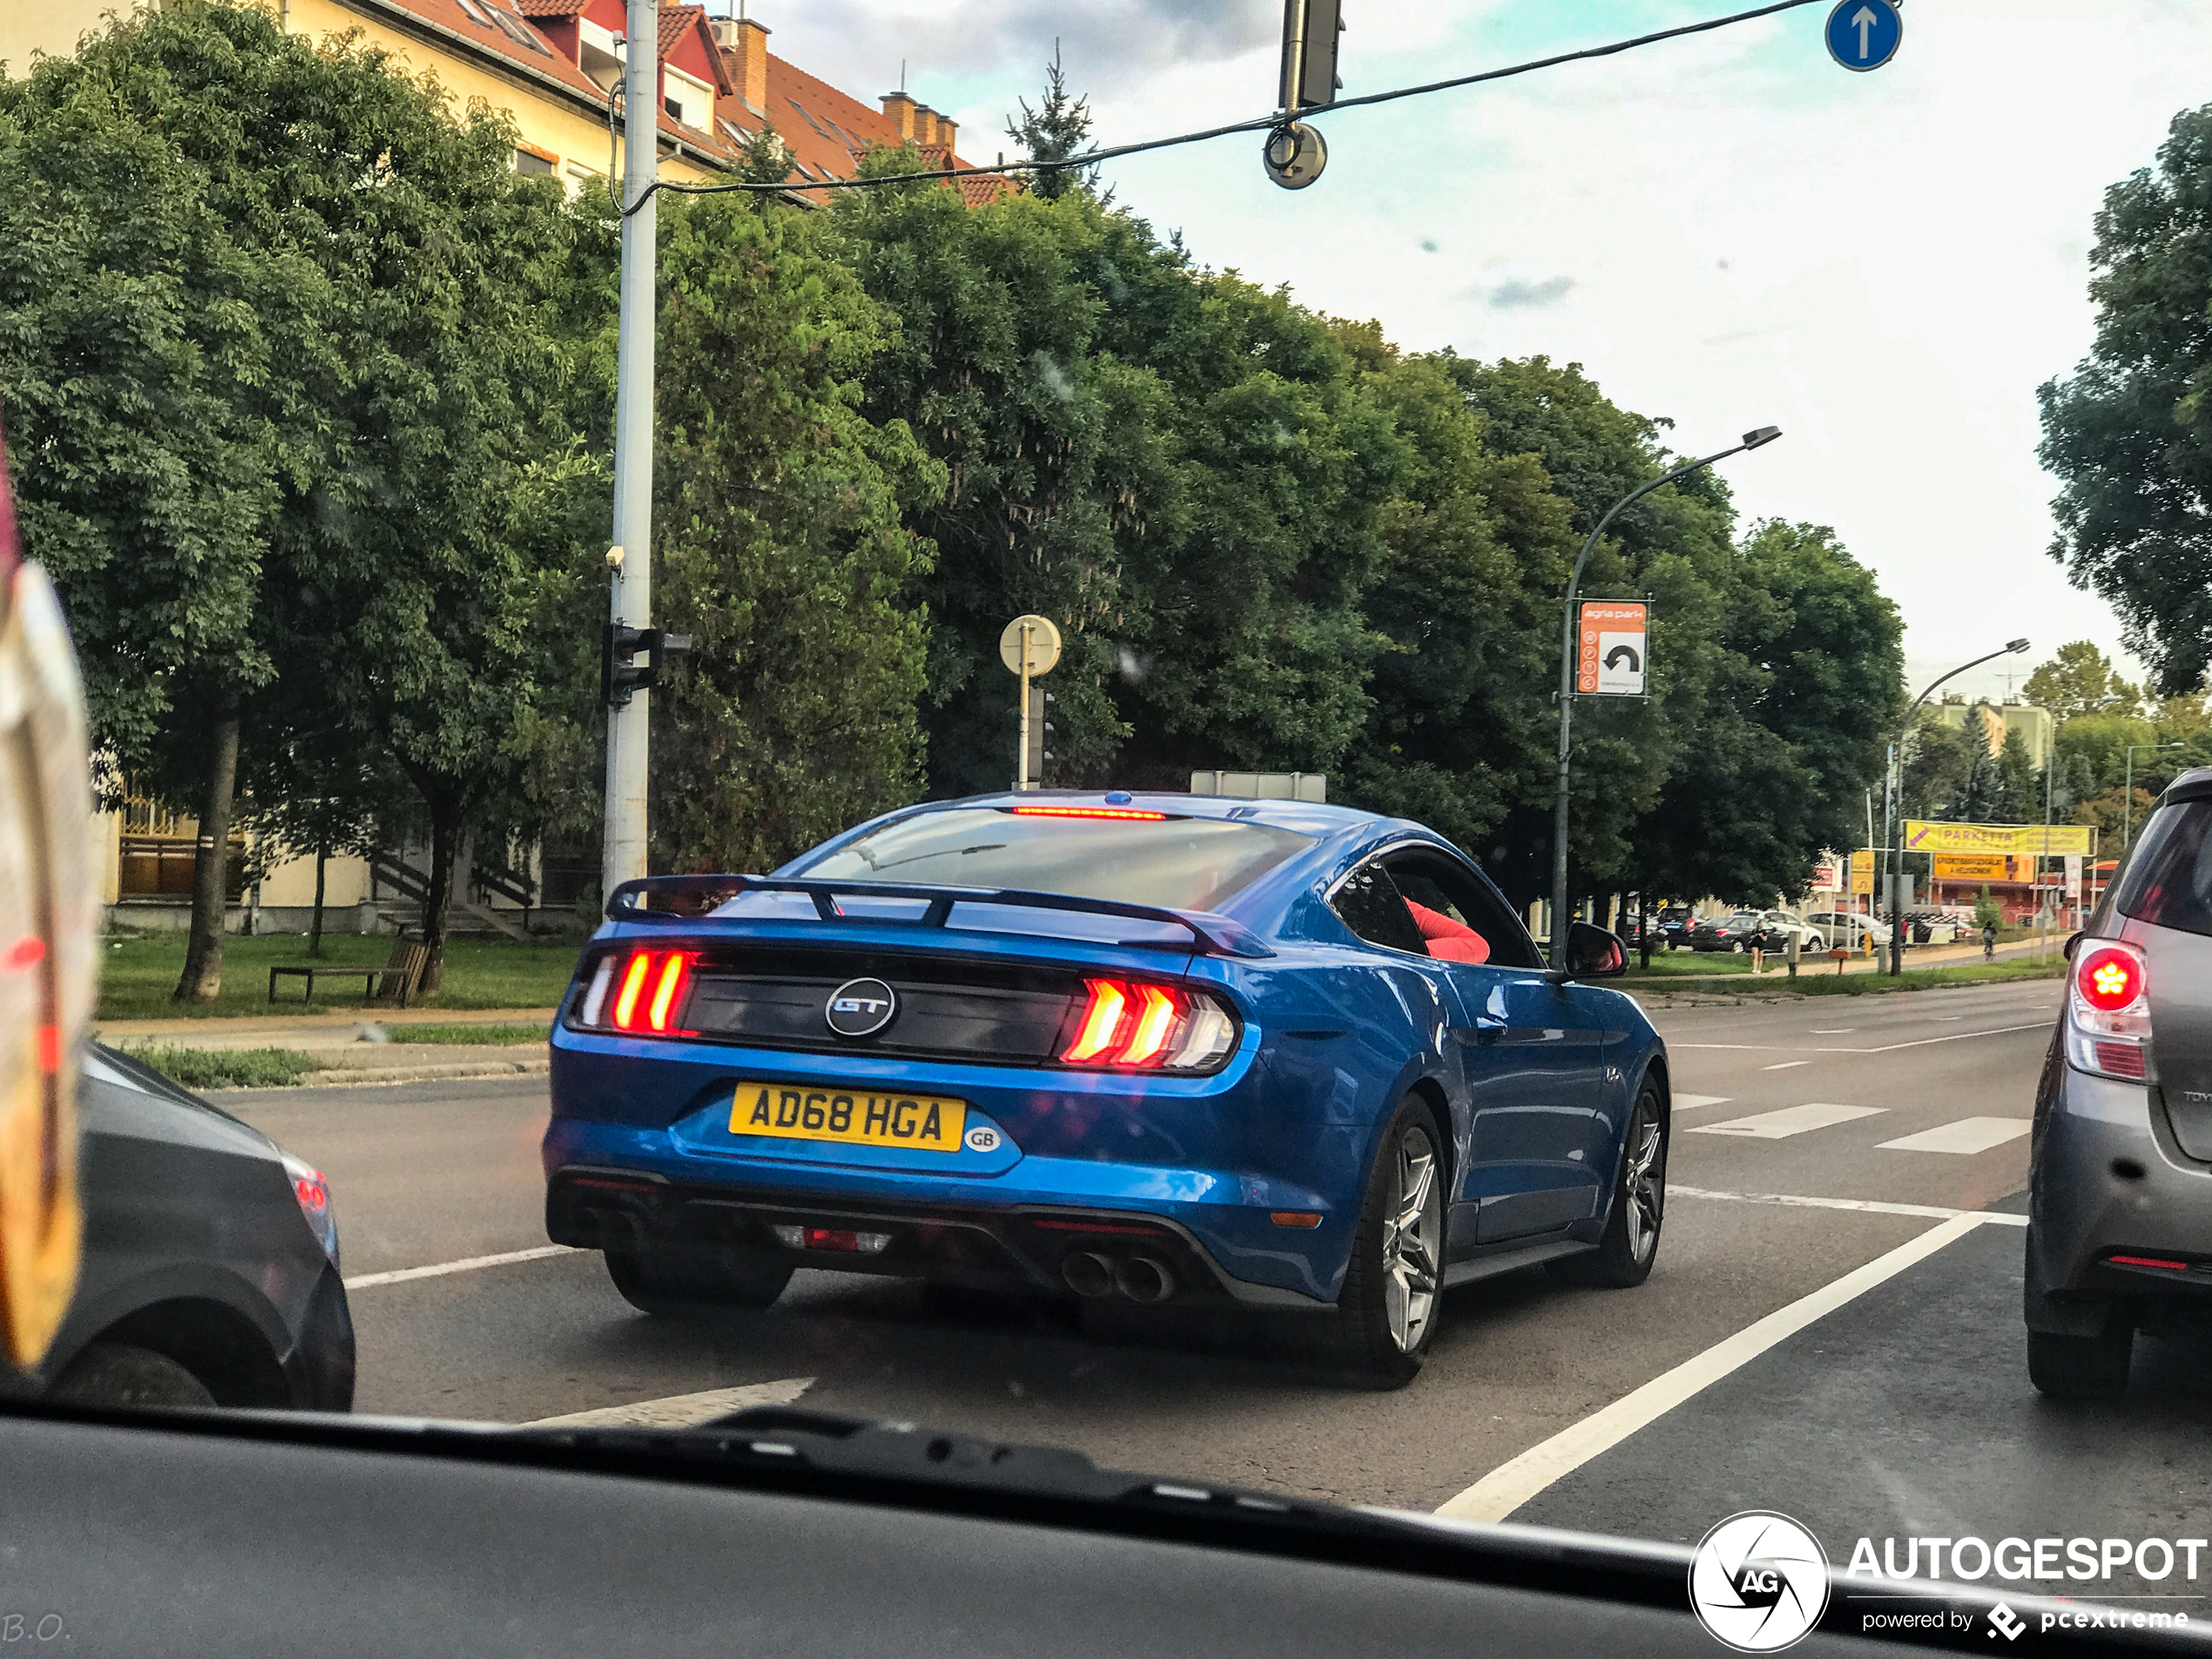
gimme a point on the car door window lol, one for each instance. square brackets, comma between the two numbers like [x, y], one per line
[1465, 922]
[1370, 904]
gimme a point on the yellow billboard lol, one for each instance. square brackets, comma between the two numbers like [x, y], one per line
[1974, 866]
[2077, 839]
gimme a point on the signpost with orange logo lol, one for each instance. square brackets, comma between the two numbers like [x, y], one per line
[1613, 652]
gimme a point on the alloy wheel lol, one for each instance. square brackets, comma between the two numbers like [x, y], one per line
[1644, 1186]
[1413, 1234]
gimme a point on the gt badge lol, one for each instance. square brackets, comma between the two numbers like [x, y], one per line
[861, 1007]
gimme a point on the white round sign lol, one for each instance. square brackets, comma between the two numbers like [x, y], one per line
[1759, 1582]
[1042, 642]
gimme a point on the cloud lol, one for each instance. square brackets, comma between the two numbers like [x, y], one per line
[1100, 42]
[1517, 295]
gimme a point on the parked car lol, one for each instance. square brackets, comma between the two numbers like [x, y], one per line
[2119, 1173]
[1932, 927]
[1833, 927]
[1091, 1046]
[1670, 927]
[210, 1267]
[1768, 930]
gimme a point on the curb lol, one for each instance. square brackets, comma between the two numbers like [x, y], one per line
[372, 1076]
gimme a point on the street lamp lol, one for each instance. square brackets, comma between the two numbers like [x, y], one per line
[1891, 788]
[2128, 791]
[1754, 440]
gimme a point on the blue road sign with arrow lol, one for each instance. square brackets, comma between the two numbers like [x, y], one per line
[1865, 34]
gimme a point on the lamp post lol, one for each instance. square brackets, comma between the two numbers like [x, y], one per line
[2128, 791]
[1892, 787]
[1753, 440]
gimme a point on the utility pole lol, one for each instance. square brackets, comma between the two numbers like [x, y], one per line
[623, 856]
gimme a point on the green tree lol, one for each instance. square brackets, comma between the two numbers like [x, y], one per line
[373, 334]
[2127, 433]
[1058, 128]
[2080, 679]
[781, 547]
[1938, 757]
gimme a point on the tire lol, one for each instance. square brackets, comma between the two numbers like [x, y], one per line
[1629, 1244]
[117, 1373]
[695, 1283]
[1736, 948]
[1393, 1297]
[2082, 1367]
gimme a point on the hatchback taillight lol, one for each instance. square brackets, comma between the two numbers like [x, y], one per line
[1155, 1027]
[2107, 1028]
[639, 992]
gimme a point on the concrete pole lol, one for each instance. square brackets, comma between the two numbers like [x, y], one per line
[622, 840]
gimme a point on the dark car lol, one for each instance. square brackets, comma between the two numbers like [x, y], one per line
[1670, 927]
[2119, 1181]
[1167, 1049]
[1745, 930]
[210, 1271]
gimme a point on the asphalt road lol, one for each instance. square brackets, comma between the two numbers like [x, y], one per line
[1811, 1139]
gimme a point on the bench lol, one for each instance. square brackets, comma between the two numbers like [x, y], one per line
[398, 978]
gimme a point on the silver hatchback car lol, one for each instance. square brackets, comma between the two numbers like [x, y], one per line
[2120, 1185]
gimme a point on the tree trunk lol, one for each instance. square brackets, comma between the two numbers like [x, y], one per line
[202, 976]
[315, 925]
[445, 842]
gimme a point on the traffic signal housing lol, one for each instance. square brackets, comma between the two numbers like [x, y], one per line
[1311, 31]
[621, 675]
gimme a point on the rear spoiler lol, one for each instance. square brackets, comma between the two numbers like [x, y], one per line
[1213, 936]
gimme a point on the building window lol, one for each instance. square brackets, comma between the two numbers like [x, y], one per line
[475, 13]
[687, 99]
[520, 32]
[530, 161]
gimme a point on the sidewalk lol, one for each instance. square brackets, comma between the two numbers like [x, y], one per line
[353, 1050]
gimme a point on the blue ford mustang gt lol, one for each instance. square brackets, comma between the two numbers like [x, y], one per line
[1167, 1049]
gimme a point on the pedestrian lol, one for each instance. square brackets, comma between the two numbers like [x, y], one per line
[1989, 941]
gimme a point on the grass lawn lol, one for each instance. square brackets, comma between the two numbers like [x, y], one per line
[480, 1033]
[138, 972]
[227, 1067]
[1825, 982]
[1674, 962]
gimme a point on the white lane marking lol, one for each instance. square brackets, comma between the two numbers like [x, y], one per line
[1791, 1120]
[1511, 1485]
[467, 1265]
[1691, 1103]
[1888, 1048]
[1786, 1065]
[1873, 1206]
[1967, 1136]
[1833, 1031]
[683, 1411]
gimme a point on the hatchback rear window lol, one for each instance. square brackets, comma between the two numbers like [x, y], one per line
[2168, 882]
[1180, 863]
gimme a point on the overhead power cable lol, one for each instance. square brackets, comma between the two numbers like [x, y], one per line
[1257, 124]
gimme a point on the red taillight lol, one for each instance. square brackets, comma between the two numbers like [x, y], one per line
[2110, 979]
[650, 992]
[2121, 1060]
[1102, 1019]
[1088, 812]
[2167, 1263]
[634, 975]
[1130, 1023]
[312, 1193]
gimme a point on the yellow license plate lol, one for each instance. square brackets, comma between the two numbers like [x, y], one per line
[918, 1122]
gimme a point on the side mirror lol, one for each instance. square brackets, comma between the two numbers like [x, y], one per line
[1592, 952]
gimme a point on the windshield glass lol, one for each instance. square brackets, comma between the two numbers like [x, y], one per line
[1712, 499]
[1180, 863]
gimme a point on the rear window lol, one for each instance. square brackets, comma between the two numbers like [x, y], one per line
[2168, 882]
[1180, 863]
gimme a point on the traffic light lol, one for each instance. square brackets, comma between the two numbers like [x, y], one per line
[621, 673]
[1310, 28]
[1041, 702]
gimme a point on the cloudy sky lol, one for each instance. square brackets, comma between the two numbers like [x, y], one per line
[1727, 230]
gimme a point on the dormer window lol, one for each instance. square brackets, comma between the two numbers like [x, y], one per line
[687, 99]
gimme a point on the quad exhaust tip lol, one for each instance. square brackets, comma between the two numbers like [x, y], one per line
[1136, 1278]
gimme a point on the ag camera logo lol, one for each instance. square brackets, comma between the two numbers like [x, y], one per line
[1758, 1583]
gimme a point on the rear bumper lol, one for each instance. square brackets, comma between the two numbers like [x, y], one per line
[318, 1372]
[1139, 1254]
[2109, 1178]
